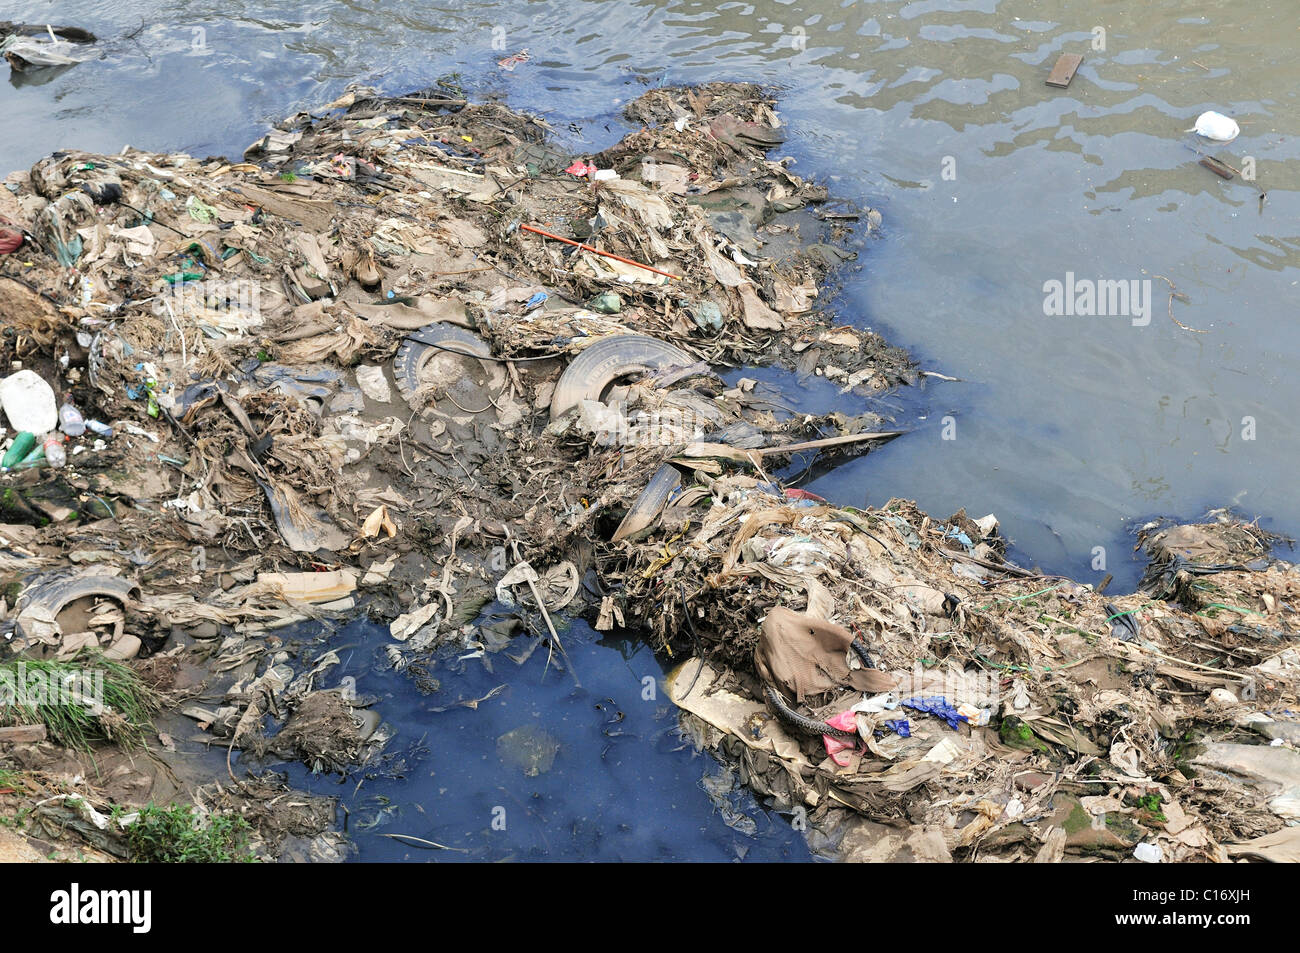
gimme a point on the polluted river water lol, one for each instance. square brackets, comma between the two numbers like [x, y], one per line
[1072, 428]
[544, 768]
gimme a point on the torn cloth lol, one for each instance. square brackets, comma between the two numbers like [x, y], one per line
[802, 656]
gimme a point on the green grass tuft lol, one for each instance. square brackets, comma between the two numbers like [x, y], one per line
[127, 702]
[175, 835]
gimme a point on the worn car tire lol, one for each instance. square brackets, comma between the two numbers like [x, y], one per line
[54, 591]
[420, 346]
[606, 361]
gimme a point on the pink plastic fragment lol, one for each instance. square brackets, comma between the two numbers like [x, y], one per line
[844, 721]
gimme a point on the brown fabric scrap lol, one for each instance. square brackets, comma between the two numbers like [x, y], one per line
[803, 655]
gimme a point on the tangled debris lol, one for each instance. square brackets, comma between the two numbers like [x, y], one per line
[1004, 713]
[32, 47]
[413, 351]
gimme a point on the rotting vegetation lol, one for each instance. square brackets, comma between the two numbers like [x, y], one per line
[559, 439]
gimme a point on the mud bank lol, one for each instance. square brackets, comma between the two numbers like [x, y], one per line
[410, 358]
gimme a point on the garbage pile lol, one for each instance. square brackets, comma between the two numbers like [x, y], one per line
[250, 307]
[413, 356]
[28, 47]
[402, 337]
[880, 666]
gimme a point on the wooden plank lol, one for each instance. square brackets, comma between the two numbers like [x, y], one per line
[1064, 70]
[830, 442]
[721, 451]
[20, 733]
[1217, 167]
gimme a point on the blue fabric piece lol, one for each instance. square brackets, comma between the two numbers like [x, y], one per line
[936, 705]
[954, 533]
[900, 727]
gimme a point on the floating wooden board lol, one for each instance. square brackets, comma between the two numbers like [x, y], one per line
[693, 452]
[1064, 70]
[1217, 167]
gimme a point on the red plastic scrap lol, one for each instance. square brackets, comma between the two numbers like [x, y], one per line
[510, 62]
[794, 493]
[581, 168]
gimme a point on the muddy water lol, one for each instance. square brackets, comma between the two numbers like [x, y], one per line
[1069, 427]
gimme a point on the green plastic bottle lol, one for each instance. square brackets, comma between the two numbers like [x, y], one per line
[22, 445]
[37, 454]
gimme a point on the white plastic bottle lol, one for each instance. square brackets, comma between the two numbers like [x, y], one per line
[55, 455]
[70, 420]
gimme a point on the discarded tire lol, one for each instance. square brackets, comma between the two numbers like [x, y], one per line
[41, 603]
[802, 723]
[606, 361]
[558, 585]
[860, 650]
[418, 348]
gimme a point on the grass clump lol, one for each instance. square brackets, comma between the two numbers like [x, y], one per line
[176, 835]
[12, 780]
[1151, 803]
[79, 701]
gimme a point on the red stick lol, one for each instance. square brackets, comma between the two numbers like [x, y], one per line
[597, 251]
